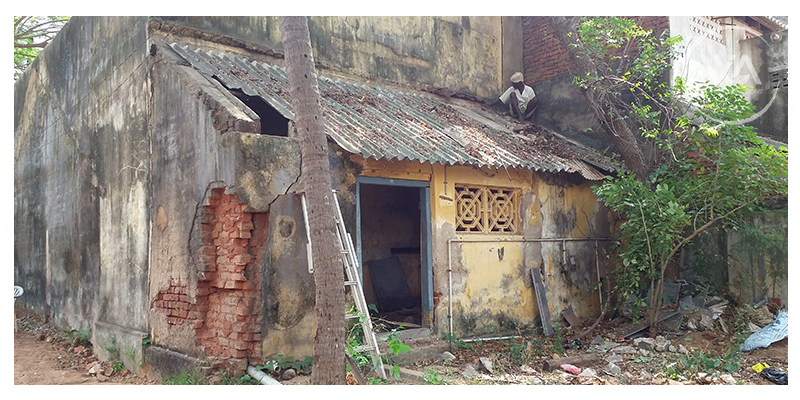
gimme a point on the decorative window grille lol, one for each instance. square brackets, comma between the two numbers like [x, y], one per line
[707, 27]
[485, 209]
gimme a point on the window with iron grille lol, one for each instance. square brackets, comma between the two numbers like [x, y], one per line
[487, 209]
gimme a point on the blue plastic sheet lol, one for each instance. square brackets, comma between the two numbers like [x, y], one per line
[777, 330]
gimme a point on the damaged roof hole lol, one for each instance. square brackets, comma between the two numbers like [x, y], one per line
[272, 122]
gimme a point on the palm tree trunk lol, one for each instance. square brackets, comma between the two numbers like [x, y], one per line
[329, 346]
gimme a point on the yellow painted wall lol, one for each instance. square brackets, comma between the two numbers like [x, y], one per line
[493, 294]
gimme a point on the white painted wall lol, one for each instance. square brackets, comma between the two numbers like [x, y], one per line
[706, 60]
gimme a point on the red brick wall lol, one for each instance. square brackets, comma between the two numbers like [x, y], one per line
[544, 58]
[226, 312]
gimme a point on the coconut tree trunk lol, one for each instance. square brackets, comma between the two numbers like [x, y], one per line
[329, 348]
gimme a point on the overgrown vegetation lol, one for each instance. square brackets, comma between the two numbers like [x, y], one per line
[281, 363]
[432, 377]
[460, 343]
[184, 378]
[355, 339]
[78, 337]
[113, 351]
[31, 35]
[686, 367]
[708, 167]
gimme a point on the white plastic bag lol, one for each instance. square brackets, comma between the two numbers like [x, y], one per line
[777, 330]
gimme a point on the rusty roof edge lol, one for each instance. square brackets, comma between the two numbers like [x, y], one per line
[398, 140]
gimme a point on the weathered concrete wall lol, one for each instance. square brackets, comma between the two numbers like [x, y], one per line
[81, 178]
[770, 59]
[460, 54]
[704, 59]
[549, 70]
[758, 270]
[565, 207]
[220, 190]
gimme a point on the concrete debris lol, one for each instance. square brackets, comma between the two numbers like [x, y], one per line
[707, 319]
[662, 344]
[486, 364]
[761, 316]
[645, 343]
[616, 358]
[671, 291]
[723, 326]
[448, 356]
[601, 346]
[96, 369]
[536, 381]
[288, 374]
[672, 349]
[470, 372]
[612, 369]
[102, 378]
[526, 369]
[645, 376]
[728, 379]
[686, 305]
[623, 350]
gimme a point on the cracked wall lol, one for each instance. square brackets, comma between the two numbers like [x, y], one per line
[81, 179]
[213, 190]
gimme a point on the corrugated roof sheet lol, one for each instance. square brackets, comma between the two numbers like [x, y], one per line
[380, 123]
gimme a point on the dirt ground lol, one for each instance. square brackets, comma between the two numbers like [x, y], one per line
[45, 356]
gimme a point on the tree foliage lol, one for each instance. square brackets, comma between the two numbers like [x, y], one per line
[706, 165]
[31, 35]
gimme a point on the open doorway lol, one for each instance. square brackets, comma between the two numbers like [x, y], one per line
[394, 244]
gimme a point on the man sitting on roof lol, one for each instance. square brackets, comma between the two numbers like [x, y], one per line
[519, 97]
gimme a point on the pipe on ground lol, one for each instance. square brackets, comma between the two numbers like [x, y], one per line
[260, 376]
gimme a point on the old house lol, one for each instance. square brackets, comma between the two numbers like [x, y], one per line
[157, 185]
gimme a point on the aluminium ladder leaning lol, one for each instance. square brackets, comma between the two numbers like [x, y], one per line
[352, 281]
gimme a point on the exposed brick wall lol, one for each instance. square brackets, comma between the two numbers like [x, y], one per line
[226, 312]
[544, 58]
[229, 282]
[174, 303]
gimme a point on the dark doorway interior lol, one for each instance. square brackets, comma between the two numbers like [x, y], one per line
[391, 253]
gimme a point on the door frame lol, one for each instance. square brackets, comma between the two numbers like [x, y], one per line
[426, 247]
